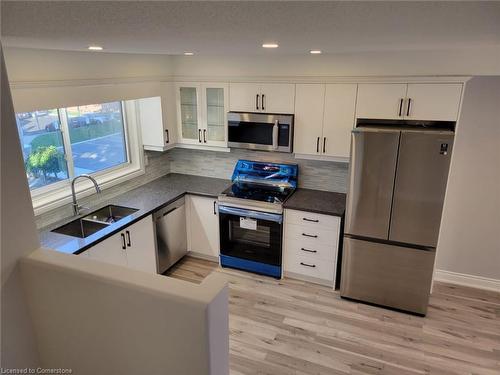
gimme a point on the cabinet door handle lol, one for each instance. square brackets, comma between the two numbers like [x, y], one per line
[409, 107]
[324, 145]
[215, 209]
[168, 136]
[263, 102]
[257, 102]
[308, 265]
[128, 238]
[310, 235]
[400, 106]
[205, 135]
[317, 144]
[124, 246]
[199, 135]
[311, 220]
[309, 251]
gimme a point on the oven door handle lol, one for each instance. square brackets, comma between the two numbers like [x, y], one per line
[277, 218]
[275, 135]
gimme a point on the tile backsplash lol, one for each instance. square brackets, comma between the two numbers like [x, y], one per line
[158, 165]
[319, 175]
[313, 174]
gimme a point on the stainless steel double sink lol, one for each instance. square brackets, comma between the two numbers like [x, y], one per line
[95, 221]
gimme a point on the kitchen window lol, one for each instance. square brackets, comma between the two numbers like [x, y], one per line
[60, 144]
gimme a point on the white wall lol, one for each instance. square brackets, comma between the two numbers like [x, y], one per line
[474, 61]
[35, 65]
[101, 319]
[469, 240]
[18, 238]
[42, 79]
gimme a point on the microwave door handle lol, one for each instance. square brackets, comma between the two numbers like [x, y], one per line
[275, 135]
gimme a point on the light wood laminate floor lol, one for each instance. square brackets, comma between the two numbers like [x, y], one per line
[286, 326]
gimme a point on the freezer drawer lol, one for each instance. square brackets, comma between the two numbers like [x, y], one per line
[371, 181]
[422, 173]
[387, 275]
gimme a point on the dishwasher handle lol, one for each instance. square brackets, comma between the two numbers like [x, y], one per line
[168, 209]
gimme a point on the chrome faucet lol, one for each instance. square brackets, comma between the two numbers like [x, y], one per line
[76, 207]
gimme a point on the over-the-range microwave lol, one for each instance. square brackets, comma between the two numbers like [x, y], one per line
[260, 131]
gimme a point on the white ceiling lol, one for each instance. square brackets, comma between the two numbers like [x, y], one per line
[240, 27]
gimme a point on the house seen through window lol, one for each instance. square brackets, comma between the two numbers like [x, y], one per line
[59, 144]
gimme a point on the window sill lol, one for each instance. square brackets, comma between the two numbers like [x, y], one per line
[61, 196]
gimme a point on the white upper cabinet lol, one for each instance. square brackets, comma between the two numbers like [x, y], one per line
[438, 102]
[338, 120]
[413, 101]
[157, 126]
[244, 97]
[324, 118]
[215, 104]
[277, 97]
[202, 113]
[189, 112]
[262, 97]
[381, 100]
[308, 127]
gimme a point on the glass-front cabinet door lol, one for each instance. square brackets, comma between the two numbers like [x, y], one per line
[202, 113]
[215, 106]
[188, 113]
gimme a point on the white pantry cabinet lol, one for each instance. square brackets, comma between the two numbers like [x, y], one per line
[262, 97]
[324, 118]
[158, 134]
[134, 247]
[203, 226]
[309, 110]
[413, 101]
[202, 113]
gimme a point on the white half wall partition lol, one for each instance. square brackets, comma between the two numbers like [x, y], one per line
[101, 319]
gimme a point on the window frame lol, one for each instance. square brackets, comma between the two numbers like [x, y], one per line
[58, 194]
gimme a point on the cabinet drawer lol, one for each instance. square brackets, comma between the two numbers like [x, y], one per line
[312, 219]
[312, 235]
[320, 269]
[309, 249]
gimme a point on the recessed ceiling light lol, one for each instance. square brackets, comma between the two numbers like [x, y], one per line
[95, 48]
[315, 52]
[188, 53]
[270, 45]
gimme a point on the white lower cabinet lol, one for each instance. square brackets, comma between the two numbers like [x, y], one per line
[310, 249]
[203, 227]
[133, 247]
[141, 245]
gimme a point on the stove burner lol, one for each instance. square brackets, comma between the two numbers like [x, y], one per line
[258, 193]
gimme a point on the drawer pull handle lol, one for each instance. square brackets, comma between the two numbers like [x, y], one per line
[309, 251]
[308, 265]
[309, 235]
[311, 220]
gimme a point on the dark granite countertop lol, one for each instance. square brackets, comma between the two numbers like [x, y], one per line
[146, 198]
[321, 202]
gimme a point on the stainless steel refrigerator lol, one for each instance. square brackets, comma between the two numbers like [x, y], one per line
[397, 183]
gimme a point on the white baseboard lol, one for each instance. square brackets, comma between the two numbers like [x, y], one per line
[467, 280]
[210, 258]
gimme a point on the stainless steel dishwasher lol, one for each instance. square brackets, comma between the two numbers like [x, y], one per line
[171, 235]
